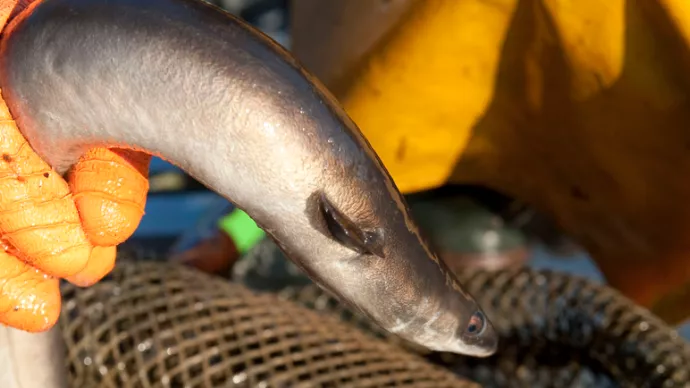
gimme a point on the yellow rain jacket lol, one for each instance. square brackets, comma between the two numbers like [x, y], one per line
[580, 108]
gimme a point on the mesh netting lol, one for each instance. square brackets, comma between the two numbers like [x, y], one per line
[556, 330]
[160, 325]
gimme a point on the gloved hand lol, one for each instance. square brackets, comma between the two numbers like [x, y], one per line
[53, 228]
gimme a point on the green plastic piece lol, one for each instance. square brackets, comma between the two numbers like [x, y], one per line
[242, 230]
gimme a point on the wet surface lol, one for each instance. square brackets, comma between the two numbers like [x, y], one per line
[581, 265]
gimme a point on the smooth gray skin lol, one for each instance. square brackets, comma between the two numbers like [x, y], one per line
[32, 360]
[185, 80]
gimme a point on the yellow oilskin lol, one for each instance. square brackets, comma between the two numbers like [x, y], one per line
[578, 107]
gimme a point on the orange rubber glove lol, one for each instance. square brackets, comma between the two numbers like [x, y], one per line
[53, 228]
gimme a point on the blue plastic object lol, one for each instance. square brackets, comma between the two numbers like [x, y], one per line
[172, 214]
[159, 165]
[176, 221]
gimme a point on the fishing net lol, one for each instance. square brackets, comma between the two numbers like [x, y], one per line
[556, 330]
[154, 324]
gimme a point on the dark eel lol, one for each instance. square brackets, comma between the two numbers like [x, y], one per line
[190, 82]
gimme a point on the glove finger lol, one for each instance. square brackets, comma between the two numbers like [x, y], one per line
[110, 188]
[38, 216]
[29, 299]
[100, 264]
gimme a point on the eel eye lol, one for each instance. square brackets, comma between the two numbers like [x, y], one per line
[347, 233]
[477, 324]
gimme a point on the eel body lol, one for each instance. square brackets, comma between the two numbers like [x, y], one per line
[189, 82]
[29, 360]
